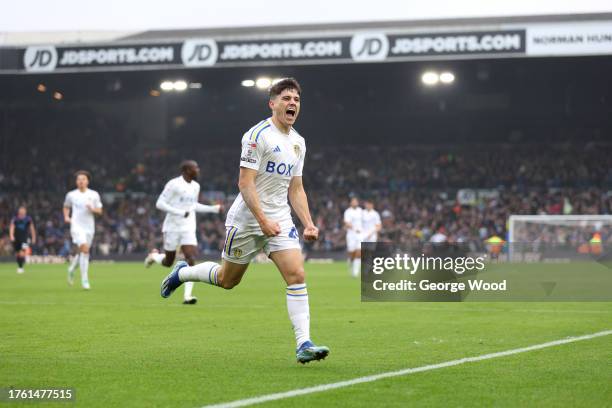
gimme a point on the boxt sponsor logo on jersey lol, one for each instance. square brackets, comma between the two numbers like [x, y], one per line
[280, 168]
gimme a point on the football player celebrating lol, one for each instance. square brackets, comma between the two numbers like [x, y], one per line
[271, 167]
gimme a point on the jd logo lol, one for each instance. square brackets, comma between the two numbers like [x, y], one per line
[40, 58]
[369, 47]
[199, 53]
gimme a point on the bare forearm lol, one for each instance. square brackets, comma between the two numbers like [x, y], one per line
[299, 203]
[250, 197]
[12, 232]
[66, 213]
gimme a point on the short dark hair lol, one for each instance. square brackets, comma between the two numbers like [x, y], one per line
[186, 164]
[84, 173]
[283, 84]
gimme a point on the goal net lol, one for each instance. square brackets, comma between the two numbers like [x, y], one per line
[558, 237]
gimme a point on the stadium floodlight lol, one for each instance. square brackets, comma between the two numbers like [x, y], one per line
[166, 86]
[195, 85]
[430, 78]
[447, 77]
[248, 83]
[180, 86]
[263, 83]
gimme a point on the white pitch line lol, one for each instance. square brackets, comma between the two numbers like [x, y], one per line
[406, 371]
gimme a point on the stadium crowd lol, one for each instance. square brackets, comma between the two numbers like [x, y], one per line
[414, 188]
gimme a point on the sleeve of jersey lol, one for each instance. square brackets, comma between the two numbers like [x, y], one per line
[346, 217]
[98, 202]
[252, 153]
[67, 201]
[203, 208]
[299, 167]
[163, 201]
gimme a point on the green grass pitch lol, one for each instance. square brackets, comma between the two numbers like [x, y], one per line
[121, 344]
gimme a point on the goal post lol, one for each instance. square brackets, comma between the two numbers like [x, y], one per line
[571, 233]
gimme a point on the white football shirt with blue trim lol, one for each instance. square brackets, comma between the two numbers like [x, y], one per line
[277, 157]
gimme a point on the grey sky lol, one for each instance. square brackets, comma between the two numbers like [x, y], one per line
[125, 15]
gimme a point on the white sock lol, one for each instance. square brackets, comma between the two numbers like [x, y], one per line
[205, 272]
[158, 258]
[188, 289]
[73, 263]
[84, 265]
[299, 312]
[356, 267]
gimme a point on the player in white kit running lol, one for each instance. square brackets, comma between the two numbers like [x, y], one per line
[260, 219]
[80, 206]
[353, 223]
[371, 222]
[179, 201]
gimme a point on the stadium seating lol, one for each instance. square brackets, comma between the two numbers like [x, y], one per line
[414, 186]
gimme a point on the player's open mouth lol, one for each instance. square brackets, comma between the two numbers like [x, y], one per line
[290, 112]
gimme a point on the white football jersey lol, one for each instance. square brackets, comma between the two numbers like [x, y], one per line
[370, 219]
[277, 157]
[82, 218]
[354, 216]
[181, 196]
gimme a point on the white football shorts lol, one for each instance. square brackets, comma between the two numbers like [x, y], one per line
[353, 241]
[242, 246]
[81, 236]
[175, 239]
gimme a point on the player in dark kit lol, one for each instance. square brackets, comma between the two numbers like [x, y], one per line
[21, 227]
